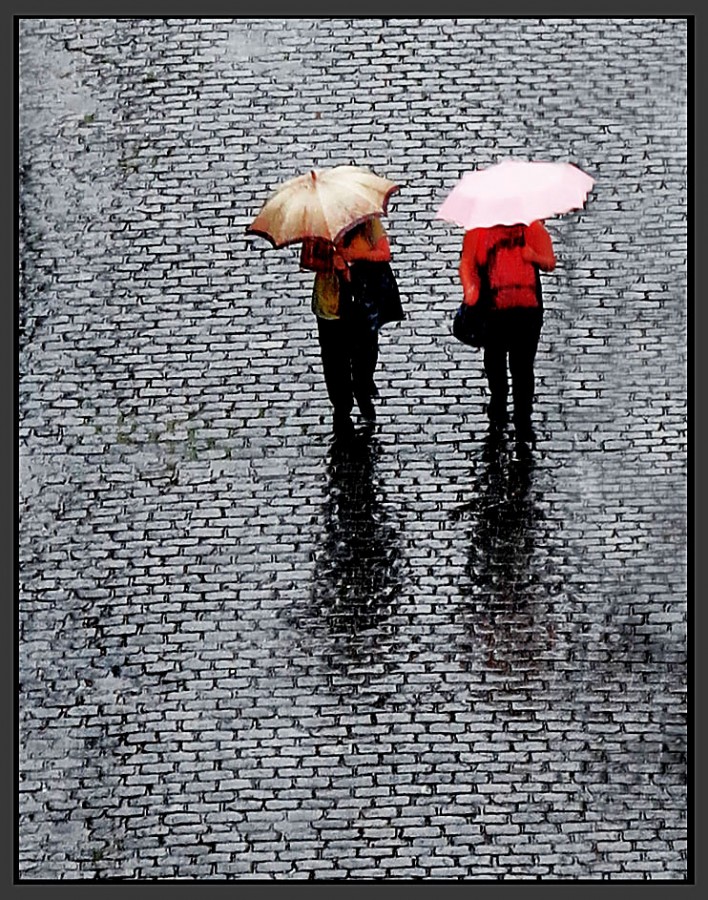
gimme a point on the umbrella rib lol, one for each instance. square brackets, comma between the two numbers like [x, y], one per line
[364, 216]
[322, 210]
[360, 192]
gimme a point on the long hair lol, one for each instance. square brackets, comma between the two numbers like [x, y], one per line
[365, 229]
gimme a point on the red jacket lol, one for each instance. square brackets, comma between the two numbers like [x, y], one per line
[476, 244]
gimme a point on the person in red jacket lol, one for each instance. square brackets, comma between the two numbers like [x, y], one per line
[500, 266]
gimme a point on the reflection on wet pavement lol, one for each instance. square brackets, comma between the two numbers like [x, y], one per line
[356, 577]
[500, 579]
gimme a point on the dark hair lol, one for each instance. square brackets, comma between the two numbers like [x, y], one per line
[350, 235]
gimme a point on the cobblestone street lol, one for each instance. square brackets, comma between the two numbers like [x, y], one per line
[246, 653]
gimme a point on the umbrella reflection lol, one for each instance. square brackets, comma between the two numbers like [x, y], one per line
[501, 582]
[356, 577]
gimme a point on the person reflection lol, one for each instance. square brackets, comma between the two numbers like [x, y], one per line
[357, 573]
[499, 580]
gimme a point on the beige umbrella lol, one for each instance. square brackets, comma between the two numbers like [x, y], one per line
[324, 203]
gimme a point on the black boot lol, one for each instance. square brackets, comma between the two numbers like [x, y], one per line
[523, 432]
[497, 414]
[367, 410]
[342, 425]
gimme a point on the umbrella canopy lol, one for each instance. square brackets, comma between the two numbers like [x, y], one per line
[324, 203]
[515, 192]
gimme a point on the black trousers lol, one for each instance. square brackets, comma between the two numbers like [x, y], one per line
[513, 336]
[350, 351]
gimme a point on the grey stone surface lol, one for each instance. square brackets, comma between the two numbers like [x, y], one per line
[241, 658]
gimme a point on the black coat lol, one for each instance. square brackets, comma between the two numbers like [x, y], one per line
[374, 290]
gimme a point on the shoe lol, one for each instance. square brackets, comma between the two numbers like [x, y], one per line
[525, 434]
[496, 429]
[367, 410]
[342, 425]
[497, 414]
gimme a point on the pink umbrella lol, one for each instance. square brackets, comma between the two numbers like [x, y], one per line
[515, 192]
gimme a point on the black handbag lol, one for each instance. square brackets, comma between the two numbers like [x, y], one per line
[470, 324]
[374, 287]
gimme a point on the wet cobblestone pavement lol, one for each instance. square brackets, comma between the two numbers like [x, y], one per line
[248, 653]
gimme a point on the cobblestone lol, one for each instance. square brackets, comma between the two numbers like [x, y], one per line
[245, 656]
